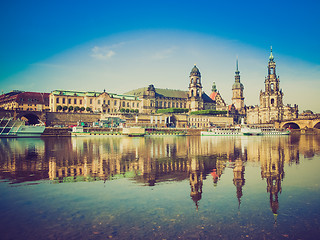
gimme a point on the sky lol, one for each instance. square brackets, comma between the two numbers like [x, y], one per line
[123, 45]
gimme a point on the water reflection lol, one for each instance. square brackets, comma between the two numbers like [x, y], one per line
[153, 160]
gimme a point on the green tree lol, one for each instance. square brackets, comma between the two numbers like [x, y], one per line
[136, 110]
[122, 110]
[88, 109]
[70, 108]
[132, 110]
[59, 108]
[82, 109]
[127, 110]
[76, 109]
[65, 108]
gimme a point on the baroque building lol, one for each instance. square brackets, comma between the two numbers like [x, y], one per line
[26, 101]
[143, 100]
[237, 93]
[216, 96]
[271, 101]
[194, 99]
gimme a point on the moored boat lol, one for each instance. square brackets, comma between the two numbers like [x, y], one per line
[18, 128]
[244, 131]
[134, 131]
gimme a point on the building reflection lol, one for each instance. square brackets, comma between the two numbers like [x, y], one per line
[152, 160]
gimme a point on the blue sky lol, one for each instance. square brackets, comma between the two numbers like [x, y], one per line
[122, 45]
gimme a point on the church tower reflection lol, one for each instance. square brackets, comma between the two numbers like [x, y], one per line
[238, 178]
[272, 169]
[196, 180]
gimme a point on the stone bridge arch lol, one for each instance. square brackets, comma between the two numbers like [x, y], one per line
[317, 125]
[34, 117]
[291, 125]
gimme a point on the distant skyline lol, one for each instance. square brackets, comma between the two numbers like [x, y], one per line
[124, 45]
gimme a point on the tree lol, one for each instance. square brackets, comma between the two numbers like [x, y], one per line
[76, 109]
[88, 109]
[127, 110]
[122, 110]
[132, 110]
[136, 110]
[70, 108]
[65, 108]
[82, 109]
[59, 108]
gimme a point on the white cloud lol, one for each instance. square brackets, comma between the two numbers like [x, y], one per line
[102, 53]
[163, 54]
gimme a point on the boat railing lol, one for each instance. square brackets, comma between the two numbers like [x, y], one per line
[5, 126]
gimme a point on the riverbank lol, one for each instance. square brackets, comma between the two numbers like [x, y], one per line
[66, 132]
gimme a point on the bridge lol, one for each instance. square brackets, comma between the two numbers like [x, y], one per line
[302, 122]
[33, 117]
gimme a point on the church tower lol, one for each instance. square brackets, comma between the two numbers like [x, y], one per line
[195, 90]
[237, 92]
[272, 96]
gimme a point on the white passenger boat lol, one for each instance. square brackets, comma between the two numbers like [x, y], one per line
[18, 128]
[275, 131]
[222, 132]
[244, 131]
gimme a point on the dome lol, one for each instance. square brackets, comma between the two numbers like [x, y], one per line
[237, 85]
[195, 71]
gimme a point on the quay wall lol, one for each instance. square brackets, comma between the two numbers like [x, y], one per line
[60, 118]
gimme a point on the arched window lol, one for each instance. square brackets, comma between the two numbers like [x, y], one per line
[272, 101]
[272, 86]
[191, 93]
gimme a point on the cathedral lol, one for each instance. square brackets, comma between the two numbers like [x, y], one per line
[194, 99]
[271, 105]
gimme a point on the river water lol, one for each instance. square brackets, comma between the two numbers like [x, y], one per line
[164, 187]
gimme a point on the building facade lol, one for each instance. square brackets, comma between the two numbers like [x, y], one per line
[237, 93]
[102, 102]
[217, 98]
[25, 101]
[143, 100]
[271, 101]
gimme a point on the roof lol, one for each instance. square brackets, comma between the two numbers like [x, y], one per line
[206, 98]
[92, 94]
[213, 95]
[160, 92]
[26, 97]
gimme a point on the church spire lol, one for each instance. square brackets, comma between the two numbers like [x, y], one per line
[271, 56]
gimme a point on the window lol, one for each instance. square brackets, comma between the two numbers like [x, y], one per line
[99, 101]
[169, 105]
[115, 102]
[63, 100]
[164, 104]
[90, 100]
[133, 105]
[75, 101]
[69, 101]
[272, 101]
[123, 104]
[104, 101]
[57, 100]
[128, 104]
[173, 104]
[80, 101]
[137, 104]
[108, 102]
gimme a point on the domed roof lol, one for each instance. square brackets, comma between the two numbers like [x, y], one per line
[195, 71]
[237, 85]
